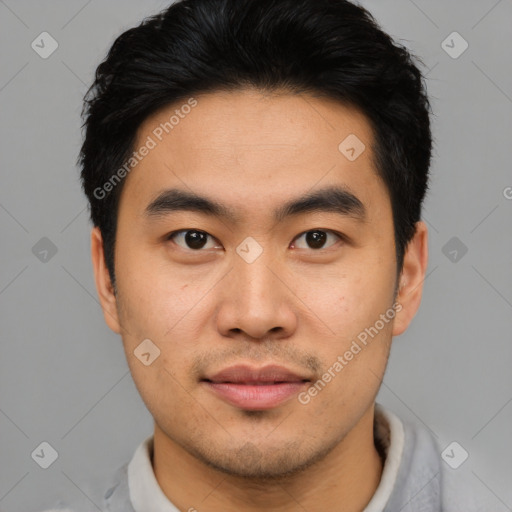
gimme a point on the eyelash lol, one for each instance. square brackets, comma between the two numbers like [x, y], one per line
[340, 236]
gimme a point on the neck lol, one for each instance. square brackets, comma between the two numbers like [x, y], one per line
[347, 475]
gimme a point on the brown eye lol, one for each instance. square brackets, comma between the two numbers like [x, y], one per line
[317, 238]
[190, 239]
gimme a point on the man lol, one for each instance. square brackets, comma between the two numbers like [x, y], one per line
[255, 171]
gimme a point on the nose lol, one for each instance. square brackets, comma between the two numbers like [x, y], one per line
[256, 301]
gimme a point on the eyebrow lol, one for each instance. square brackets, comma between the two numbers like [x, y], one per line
[335, 199]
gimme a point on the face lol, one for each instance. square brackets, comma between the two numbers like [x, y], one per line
[288, 260]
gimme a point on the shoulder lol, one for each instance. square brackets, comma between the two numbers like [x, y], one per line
[463, 492]
[113, 496]
[426, 480]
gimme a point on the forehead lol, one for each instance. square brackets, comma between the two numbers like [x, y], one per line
[252, 149]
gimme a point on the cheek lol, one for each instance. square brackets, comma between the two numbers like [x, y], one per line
[162, 384]
[352, 372]
[160, 301]
[346, 305]
[352, 309]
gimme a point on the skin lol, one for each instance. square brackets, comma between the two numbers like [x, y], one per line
[295, 305]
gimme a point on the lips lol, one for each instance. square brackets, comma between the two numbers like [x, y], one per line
[251, 388]
[243, 374]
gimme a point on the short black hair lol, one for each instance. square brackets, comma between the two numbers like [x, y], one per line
[326, 48]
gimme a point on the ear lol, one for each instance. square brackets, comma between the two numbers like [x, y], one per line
[104, 286]
[411, 280]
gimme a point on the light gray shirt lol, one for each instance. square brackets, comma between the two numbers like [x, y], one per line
[415, 477]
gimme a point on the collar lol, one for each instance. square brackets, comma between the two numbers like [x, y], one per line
[389, 437]
[145, 493]
[409, 481]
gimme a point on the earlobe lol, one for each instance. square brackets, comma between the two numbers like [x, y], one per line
[412, 278]
[104, 286]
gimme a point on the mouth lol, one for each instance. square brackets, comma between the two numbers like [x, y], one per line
[255, 388]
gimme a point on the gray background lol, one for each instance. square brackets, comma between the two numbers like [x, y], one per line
[63, 374]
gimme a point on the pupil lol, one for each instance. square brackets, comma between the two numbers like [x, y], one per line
[316, 239]
[195, 239]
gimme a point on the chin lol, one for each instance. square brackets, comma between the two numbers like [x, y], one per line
[257, 463]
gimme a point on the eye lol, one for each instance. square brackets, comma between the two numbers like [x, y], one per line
[191, 239]
[317, 238]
